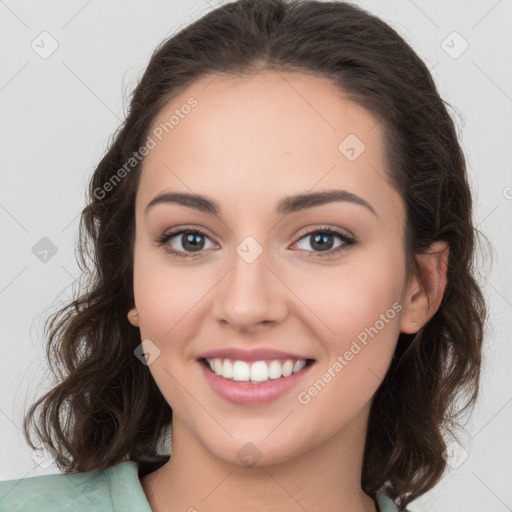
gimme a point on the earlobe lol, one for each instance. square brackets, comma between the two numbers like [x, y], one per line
[426, 288]
[133, 317]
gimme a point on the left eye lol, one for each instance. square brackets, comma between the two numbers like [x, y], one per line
[322, 241]
[194, 242]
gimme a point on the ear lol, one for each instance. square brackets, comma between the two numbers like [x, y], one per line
[133, 317]
[426, 288]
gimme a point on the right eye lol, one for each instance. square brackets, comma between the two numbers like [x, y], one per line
[193, 242]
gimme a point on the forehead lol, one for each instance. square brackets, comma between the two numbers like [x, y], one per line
[265, 136]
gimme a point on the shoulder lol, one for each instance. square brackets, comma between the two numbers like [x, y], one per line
[115, 488]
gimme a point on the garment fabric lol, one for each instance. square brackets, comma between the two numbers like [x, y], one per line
[116, 489]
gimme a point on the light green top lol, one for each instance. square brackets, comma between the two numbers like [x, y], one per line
[116, 489]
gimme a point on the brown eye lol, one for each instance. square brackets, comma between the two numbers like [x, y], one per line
[322, 242]
[187, 242]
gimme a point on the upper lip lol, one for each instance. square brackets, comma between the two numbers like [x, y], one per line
[255, 354]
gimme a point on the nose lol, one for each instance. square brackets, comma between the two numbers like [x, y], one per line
[251, 297]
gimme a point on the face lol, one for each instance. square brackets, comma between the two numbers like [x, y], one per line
[316, 281]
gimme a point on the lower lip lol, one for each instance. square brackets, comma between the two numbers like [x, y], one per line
[246, 393]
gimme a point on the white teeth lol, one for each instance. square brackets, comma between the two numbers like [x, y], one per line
[240, 371]
[298, 366]
[227, 369]
[217, 366]
[259, 371]
[287, 368]
[274, 370]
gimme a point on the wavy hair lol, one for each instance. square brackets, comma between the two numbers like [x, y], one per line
[105, 406]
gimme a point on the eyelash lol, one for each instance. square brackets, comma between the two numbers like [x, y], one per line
[348, 241]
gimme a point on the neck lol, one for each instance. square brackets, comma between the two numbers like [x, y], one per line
[327, 477]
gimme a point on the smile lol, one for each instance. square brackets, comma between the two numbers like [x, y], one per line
[244, 383]
[258, 371]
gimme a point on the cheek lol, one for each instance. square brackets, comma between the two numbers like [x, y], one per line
[359, 301]
[362, 312]
[169, 296]
[356, 291]
[164, 294]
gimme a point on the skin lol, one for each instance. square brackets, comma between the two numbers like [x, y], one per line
[249, 142]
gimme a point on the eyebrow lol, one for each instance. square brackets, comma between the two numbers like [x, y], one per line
[286, 205]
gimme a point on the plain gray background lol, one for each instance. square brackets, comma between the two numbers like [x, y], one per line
[57, 114]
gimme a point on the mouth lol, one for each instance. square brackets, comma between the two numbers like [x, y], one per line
[255, 372]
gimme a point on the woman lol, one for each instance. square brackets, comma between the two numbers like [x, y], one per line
[282, 251]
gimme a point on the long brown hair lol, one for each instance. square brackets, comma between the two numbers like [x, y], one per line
[106, 408]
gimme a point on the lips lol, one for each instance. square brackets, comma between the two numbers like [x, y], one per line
[250, 355]
[252, 393]
[253, 376]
